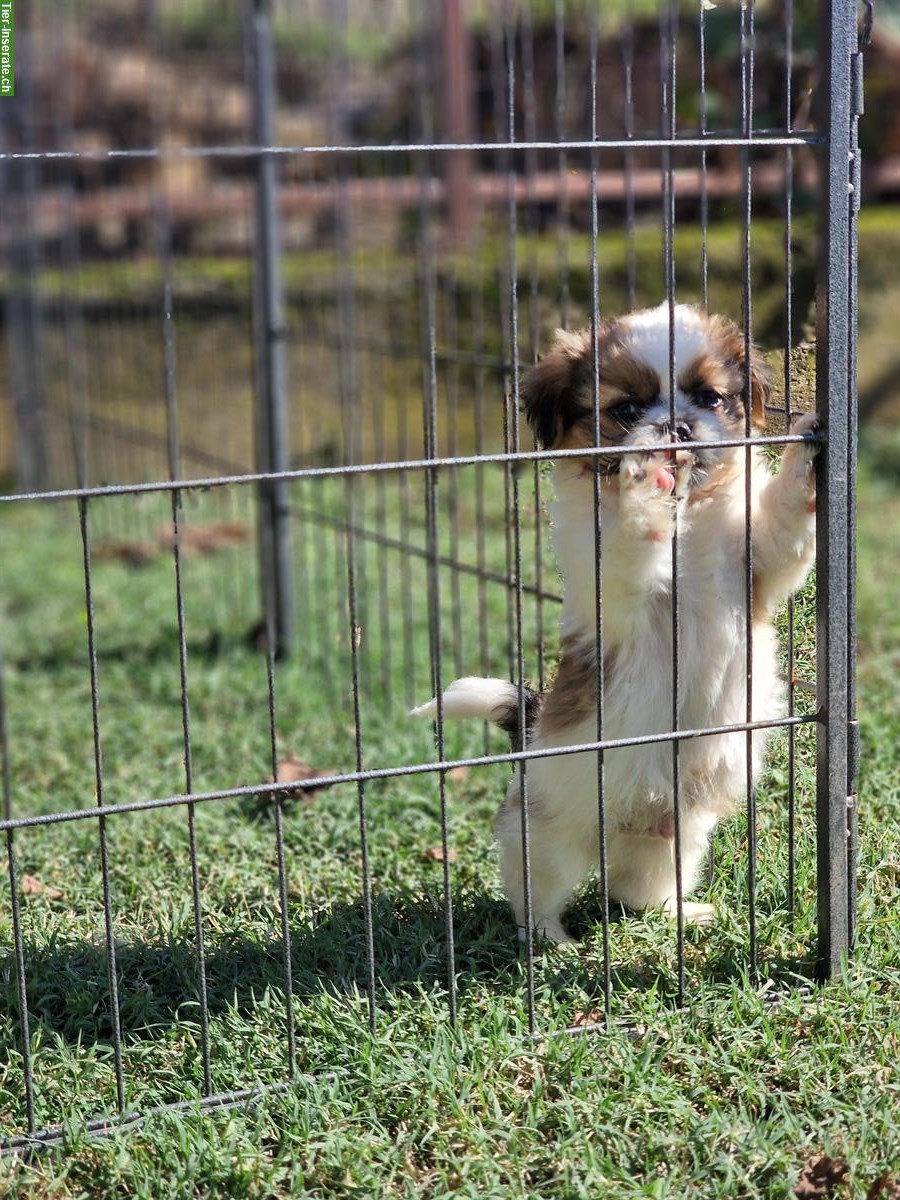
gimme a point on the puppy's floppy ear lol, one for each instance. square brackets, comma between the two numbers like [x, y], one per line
[552, 391]
[730, 338]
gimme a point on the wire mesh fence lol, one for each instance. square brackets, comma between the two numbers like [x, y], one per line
[269, 314]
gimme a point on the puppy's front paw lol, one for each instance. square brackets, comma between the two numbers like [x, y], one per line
[550, 930]
[798, 459]
[650, 487]
[694, 912]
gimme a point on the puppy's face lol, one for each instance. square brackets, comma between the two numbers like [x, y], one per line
[634, 388]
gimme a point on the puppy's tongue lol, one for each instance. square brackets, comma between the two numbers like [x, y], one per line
[665, 471]
[665, 477]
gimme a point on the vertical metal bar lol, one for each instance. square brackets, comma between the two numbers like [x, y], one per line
[339, 565]
[290, 1031]
[630, 261]
[163, 231]
[533, 228]
[519, 674]
[597, 477]
[380, 392]
[348, 388]
[272, 450]
[562, 223]
[456, 60]
[18, 944]
[174, 473]
[704, 195]
[434, 612]
[24, 331]
[788, 399]
[349, 484]
[704, 273]
[509, 399]
[480, 521]
[837, 24]
[452, 376]
[747, 60]
[668, 81]
[78, 395]
[406, 575]
[430, 445]
[500, 94]
[115, 1012]
[852, 440]
[353, 448]
[316, 563]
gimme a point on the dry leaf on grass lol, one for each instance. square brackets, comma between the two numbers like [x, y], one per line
[436, 854]
[458, 774]
[820, 1177]
[884, 1188]
[294, 770]
[582, 1018]
[32, 886]
[126, 550]
[204, 539]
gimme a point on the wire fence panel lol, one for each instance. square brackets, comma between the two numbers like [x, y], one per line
[276, 277]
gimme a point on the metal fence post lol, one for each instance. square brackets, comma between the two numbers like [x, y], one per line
[834, 521]
[272, 452]
[456, 98]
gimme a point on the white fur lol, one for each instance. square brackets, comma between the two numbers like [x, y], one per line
[471, 697]
[636, 549]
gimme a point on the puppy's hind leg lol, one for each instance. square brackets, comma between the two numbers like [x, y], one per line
[642, 869]
[557, 867]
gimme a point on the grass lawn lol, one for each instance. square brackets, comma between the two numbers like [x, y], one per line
[727, 1098]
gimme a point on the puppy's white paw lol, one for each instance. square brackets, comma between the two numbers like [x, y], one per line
[694, 912]
[650, 475]
[650, 487]
[798, 458]
[548, 930]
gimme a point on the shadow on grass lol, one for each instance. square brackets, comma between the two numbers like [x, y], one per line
[158, 983]
[214, 645]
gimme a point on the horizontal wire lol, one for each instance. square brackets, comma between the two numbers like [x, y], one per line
[707, 141]
[414, 464]
[325, 781]
[106, 1126]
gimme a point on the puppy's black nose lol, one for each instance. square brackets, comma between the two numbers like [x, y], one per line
[683, 431]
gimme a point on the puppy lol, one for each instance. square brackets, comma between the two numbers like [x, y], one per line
[644, 497]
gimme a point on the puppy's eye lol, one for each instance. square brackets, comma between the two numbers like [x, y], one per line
[707, 398]
[626, 411]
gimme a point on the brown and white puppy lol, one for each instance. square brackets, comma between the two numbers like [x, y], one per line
[645, 496]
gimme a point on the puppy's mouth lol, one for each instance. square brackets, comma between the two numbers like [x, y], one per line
[682, 466]
[690, 468]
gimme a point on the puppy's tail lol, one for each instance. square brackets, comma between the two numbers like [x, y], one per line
[494, 700]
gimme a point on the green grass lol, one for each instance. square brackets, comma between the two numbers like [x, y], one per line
[726, 1099]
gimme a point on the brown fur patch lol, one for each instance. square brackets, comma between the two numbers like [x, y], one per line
[559, 392]
[573, 693]
[728, 343]
[551, 391]
[762, 606]
[623, 376]
[708, 373]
